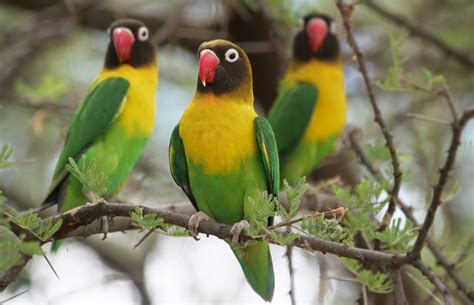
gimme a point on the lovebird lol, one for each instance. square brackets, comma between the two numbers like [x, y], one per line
[222, 154]
[309, 112]
[114, 122]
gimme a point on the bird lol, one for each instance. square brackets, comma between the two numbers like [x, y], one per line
[113, 123]
[309, 112]
[222, 154]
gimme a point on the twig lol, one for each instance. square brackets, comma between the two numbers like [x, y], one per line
[457, 129]
[398, 291]
[365, 299]
[416, 30]
[346, 12]
[426, 271]
[337, 214]
[435, 250]
[289, 256]
[427, 118]
[430, 293]
[443, 92]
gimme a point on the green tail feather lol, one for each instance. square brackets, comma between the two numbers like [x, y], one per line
[55, 245]
[256, 262]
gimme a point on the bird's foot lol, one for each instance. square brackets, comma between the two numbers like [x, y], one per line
[237, 229]
[194, 221]
[104, 226]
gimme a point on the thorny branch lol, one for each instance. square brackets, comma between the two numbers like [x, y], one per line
[435, 280]
[457, 128]
[346, 11]
[82, 222]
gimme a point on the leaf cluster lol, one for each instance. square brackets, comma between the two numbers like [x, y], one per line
[5, 156]
[377, 282]
[151, 222]
[397, 79]
[49, 88]
[92, 180]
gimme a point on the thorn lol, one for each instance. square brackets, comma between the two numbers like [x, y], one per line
[143, 238]
[14, 296]
[50, 266]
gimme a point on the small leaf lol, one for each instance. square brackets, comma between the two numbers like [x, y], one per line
[5, 156]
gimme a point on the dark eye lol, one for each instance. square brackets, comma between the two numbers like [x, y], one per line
[231, 55]
[142, 33]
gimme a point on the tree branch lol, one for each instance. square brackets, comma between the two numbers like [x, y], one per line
[426, 271]
[416, 30]
[83, 221]
[457, 128]
[346, 11]
[432, 246]
[398, 292]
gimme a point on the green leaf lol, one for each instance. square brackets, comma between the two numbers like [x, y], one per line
[92, 180]
[450, 192]
[327, 229]
[376, 282]
[283, 238]
[49, 88]
[432, 80]
[396, 237]
[260, 210]
[148, 221]
[394, 73]
[293, 195]
[5, 156]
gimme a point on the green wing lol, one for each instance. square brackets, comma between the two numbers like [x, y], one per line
[179, 165]
[268, 153]
[291, 113]
[99, 109]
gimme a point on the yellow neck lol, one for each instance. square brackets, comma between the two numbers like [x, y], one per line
[330, 115]
[137, 115]
[218, 132]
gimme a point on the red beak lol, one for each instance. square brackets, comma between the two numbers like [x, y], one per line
[317, 30]
[208, 62]
[123, 40]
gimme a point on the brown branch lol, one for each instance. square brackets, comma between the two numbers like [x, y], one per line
[457, 129]
[82, 221]
[416, 30]
[398, 291]
[441, 260]
[289, 255]
[346, 11]
[435, 280]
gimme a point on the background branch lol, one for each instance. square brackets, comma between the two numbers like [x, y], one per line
[418, 31]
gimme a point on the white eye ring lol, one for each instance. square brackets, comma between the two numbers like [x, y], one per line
[333, 28]
[142, 33]
[231, 55]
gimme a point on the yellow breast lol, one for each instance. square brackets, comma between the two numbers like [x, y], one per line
[137, 115]
[218, 133]
[330, 115]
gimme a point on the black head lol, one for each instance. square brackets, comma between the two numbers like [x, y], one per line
[224, 68]
[317, 39]
[129, 44]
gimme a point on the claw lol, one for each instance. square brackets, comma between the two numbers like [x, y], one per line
[194, 221]
[237, 229]
[104, 226]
